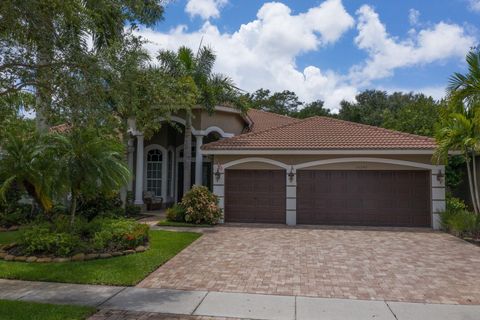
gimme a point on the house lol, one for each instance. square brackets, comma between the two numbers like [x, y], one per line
[268, 168]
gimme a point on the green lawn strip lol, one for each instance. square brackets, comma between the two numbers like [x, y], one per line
[22, 310]
[124, 270]
[8, 237]
[166, 223]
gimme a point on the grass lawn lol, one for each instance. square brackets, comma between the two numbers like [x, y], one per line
[166, 223]
[21, 310]
[8, 237]
[124, 270]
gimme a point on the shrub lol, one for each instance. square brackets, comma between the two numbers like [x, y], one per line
[106, 205]
[41, 239]
[118, 234]
[201, 206]
[463, 223]
[455, 204]
[132, 210]
[59, 238]
[176, 213]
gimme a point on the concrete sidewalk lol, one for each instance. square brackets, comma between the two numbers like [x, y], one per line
[235, 305]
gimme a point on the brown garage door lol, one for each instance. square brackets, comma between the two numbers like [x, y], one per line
[255, 196]
[369, 198]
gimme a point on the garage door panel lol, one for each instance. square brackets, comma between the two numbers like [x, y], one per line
[255, 196]
[383, 198]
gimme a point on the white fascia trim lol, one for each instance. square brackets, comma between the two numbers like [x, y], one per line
[214, 129]
[330, 161]
[314, 152]
[362, 159]
[264, 160]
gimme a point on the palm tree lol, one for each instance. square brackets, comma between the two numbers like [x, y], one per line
[25, 163]
[212, 89]
[457, 132]
[460, 124]
[89, 163]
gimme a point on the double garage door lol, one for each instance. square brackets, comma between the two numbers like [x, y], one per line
[331, 197]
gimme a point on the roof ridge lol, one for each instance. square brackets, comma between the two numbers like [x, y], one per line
[274, 114]
[254, 133]
[377, 128]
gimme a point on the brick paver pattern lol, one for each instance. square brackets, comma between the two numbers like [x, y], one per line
[413, 266]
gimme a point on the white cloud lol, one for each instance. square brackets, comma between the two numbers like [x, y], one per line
[386, 53]
[413, 16]
[205, 8]
[262, 53]
[475, 5]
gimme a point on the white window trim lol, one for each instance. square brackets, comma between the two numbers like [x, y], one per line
[164, 167]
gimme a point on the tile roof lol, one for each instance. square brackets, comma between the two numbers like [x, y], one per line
[323, 133]
[263, 120]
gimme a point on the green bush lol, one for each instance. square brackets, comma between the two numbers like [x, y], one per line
[463, 223]
[118, 234]
[132, 210]
[12, 218]
[201, 206]
[455, 204]
[41, 240]
[59, 238]
[176, 213]
[105, 205]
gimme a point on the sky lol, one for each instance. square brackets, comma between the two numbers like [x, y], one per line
[329, 50]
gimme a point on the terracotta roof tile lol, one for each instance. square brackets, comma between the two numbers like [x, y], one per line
[323, 133]
[263, 120]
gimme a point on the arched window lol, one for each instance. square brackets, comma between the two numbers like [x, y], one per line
[154, 171]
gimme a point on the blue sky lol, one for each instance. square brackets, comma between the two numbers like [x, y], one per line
[328, 50]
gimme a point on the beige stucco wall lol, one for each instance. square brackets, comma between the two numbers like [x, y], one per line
[229, 122]
[298, 159]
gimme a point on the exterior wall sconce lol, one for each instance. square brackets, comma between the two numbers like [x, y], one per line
[440, 176]
[218, 172]
[291, 174]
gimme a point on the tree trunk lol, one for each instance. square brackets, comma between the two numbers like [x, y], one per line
[30, 188]
[43, 78]
[73, 208]
[475, 184]
[187, 152]
[470, 184]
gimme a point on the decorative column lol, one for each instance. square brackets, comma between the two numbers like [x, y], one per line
[438, 196]
[130, 150]
[139, 171]
[198, 161]
[219, 187]
[291, 214]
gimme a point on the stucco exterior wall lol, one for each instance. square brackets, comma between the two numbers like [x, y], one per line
[297, 159]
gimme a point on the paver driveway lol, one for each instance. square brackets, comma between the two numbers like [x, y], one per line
[403, 265]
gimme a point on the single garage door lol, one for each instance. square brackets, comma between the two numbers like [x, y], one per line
[255, 196]
[368, 198]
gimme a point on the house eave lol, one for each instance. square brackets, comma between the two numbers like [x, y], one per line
[318, 152]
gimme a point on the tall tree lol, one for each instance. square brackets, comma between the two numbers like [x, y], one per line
[44, 43]
[460, 126]
[416, 114]
[284, 102]
[311, 109]
[368, 108]
[212, 89]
